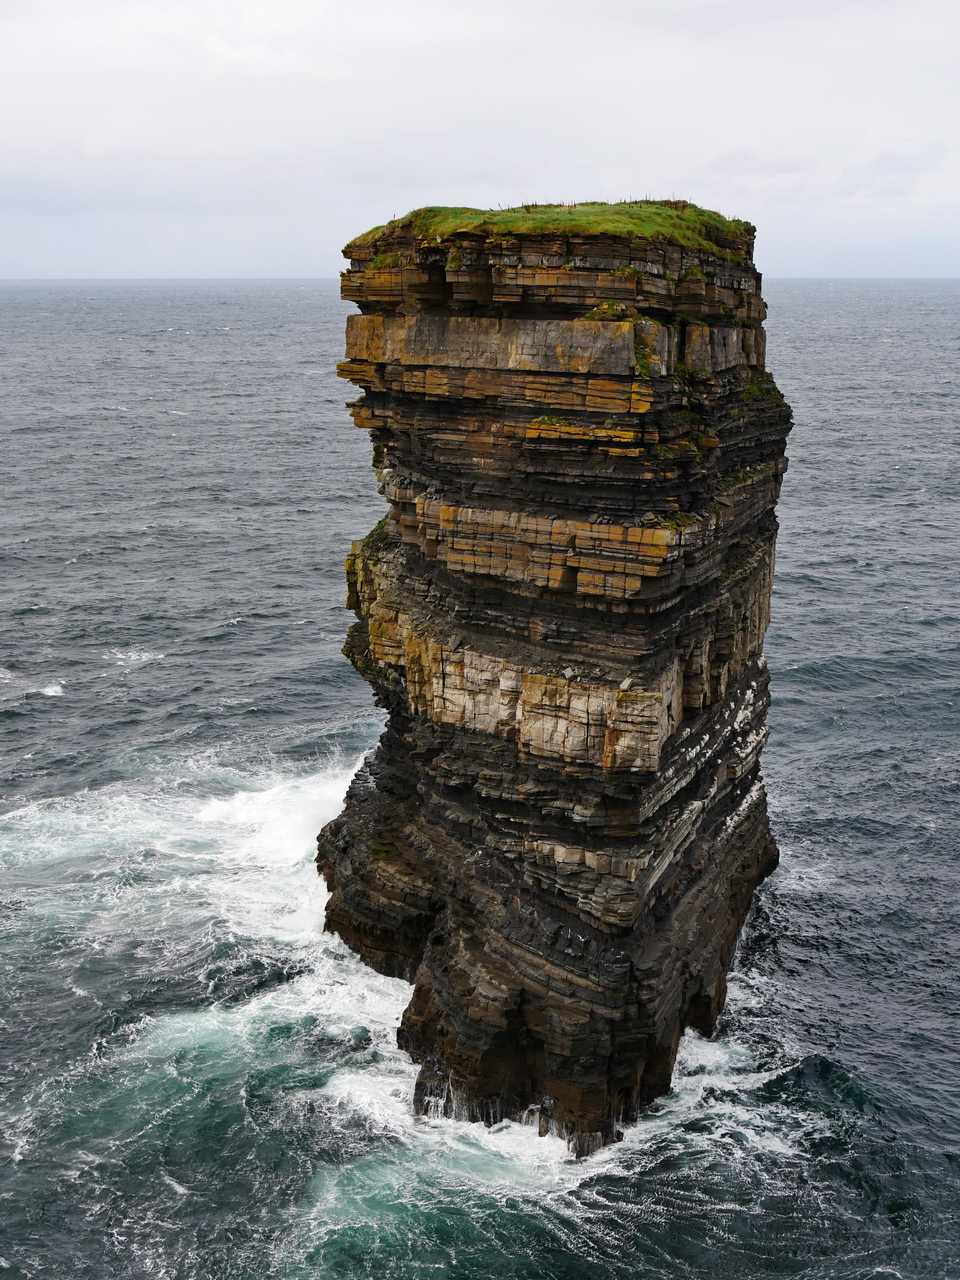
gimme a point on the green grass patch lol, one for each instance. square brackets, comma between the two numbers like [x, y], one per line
[643, 356]
[689, 373]
[686, 419]
[611, 309]
[678, 451]
[761, 388]
[679, 520]
[738, 477]
[671, 221]
[745, 560]
[377, 538]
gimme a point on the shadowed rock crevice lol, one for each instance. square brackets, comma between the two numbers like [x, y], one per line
[559, 835]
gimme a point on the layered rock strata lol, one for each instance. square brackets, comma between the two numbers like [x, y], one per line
[559, 834]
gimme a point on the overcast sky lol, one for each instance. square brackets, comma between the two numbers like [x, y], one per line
[254, 137]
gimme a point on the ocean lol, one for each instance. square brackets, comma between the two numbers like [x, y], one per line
[196, 1083]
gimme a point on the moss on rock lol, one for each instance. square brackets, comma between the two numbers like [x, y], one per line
[672, 221]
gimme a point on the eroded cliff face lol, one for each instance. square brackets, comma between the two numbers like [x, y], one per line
[558, 837]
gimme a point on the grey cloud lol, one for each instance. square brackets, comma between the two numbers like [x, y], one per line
[71, 183]
[753, 165]
[271, 115]
[889, 174]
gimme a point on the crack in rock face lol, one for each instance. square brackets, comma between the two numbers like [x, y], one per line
[559, 835]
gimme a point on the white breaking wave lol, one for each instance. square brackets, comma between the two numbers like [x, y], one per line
[135, 657]
[14, 686]
[184, 873]
[247, 859]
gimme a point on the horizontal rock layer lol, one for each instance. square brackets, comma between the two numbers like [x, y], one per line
[563, 614]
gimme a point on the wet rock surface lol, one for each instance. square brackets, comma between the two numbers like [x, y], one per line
[559, 835]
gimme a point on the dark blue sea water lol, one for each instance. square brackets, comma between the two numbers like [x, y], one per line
[197, 1083]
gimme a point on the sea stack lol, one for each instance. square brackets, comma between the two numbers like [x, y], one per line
[563, 612]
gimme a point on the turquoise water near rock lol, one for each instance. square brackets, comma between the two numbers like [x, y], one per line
[196, 1081]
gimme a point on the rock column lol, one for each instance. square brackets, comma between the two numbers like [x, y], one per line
[563, 613]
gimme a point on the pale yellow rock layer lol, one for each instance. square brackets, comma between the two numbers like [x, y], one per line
[544, 346]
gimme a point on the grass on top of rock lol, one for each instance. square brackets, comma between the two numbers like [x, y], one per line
[672, 221]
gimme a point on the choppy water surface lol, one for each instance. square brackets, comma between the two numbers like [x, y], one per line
[197, 1083]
